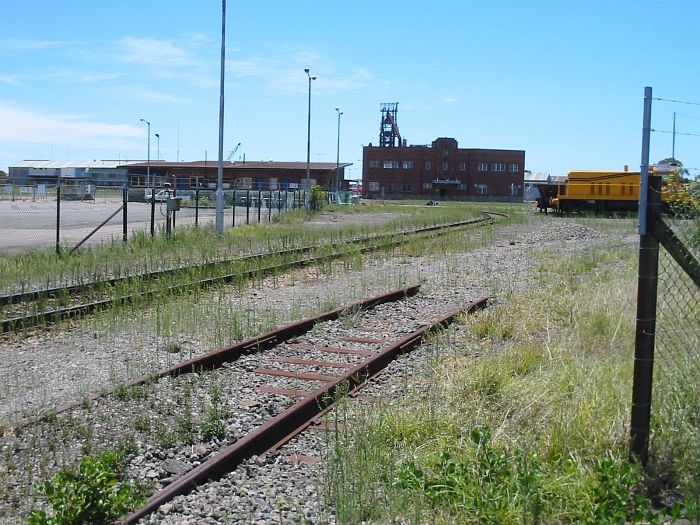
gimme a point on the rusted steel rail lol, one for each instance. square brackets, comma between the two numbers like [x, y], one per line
[21, 322]
[232, 352]
[275, 432]
[32, 295]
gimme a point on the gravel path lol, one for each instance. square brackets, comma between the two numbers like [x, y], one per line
[166, 419]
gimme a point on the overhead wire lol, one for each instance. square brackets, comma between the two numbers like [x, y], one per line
[676, 101]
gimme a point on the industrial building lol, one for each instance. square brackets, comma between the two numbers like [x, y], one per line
[183, 175]
[239, 175]
[441, 170]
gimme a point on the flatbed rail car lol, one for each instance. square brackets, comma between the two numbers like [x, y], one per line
[598, 191]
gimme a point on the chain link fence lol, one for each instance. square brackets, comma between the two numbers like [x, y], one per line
[68, 216]
[676, 391]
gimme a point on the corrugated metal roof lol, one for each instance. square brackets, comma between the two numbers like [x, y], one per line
[61, 164]
[247, 164]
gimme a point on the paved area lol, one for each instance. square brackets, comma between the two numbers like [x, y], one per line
[26, 225]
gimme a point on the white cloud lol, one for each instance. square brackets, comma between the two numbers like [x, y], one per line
[23, 126]
[286, 73]
[19, 45]
[142, 93]
[166, 60]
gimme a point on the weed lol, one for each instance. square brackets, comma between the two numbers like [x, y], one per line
[93, 494]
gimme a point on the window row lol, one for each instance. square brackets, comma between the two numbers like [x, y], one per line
[408, 164]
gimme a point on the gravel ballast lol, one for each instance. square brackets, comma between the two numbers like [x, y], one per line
[165, 419]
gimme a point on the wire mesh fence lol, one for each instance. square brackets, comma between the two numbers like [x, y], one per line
[70, 215]
[676, 391]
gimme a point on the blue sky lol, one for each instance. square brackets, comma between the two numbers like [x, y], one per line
[562, 80]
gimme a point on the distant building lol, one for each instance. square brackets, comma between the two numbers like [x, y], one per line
[184, 175]
[34, 172]
[239, 175]
[442, 170]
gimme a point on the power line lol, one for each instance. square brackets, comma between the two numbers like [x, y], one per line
[676, 132]
[677, 101]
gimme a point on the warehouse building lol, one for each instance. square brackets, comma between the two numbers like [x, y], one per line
[238, 175]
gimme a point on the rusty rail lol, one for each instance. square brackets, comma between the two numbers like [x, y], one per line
[232, 352]
[291, 421]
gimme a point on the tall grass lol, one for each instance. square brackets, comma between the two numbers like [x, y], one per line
[523, 418]
[190, 246]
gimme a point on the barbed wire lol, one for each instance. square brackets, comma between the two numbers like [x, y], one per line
[675, 132]
[676, 101]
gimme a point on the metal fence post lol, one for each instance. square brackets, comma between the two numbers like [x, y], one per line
[58, 215]
[645, 332]
[196, 204]
[125, 213]
[247, 206]
[259, 203]
[233, 207]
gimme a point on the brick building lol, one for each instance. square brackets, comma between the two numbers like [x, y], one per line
[238, 175]
[443, 171]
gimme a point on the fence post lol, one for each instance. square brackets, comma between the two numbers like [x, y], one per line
[196, 204]
[247, 206]
[58, 215]
[153, 207]
[645, 332]
[259, 203]
[125, 213]
[233, 207]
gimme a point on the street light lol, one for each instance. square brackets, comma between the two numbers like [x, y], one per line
[308, 136]
[148, 158]
[150, 182]
[158, 147]
[337, 158]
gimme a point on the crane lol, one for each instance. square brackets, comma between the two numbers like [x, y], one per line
[232, 152]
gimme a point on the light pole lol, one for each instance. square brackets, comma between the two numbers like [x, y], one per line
[158, 147]
[148, 158]
[308, 137]
[337, 157]
[219, 222]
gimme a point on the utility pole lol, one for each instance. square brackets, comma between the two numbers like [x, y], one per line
[220, 170]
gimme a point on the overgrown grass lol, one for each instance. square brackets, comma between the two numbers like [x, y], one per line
[532, 430]
[190, 246]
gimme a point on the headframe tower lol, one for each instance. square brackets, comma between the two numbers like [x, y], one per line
[389, 136]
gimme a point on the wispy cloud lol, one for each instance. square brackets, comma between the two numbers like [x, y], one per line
[286, 73]
[27, 126]
[19, 45]
[167, 60]
[450, 100]
[143, 93]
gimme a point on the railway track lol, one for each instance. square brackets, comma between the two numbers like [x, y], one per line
[38, 307]
[308, 362]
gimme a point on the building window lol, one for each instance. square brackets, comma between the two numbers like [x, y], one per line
[388, 164]
[373, 186]
[445, 166]
[390, 186]
[483, 166]
[462, 186]
[406, 187]
[428, 165]
[462, 166]
[513, 189]
[193, 182]
[514, 168]
[375, 164]
[407, 164]
[480, 189]
[427, 185]
[138, 181]
[498, 167]
[445, 152]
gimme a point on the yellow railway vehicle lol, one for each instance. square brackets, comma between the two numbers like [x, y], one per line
[598, 191]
